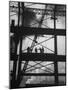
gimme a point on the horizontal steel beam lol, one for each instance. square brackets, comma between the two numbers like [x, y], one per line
[37, 31]
[49, 10]
[40, 9]
[40, 57]
[43, 85]
[40, 31]
[43, 74]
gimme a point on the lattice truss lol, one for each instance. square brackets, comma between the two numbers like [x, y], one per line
[39, 16]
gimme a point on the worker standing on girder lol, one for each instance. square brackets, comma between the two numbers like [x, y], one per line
[42, 50]
[29, 50]
[35, 50]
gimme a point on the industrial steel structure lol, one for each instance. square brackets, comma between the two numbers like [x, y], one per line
[31, 22]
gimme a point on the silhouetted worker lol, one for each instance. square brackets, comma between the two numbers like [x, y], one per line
[12, 29]
[42, 50]
[29, 50]
[35, 50]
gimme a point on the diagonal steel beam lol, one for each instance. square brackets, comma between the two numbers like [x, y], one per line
[38, 63]
[38, 68]
[42, 66]
[42, 42]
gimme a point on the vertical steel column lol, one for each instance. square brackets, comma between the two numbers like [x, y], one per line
[55, 47]
[16, 39]
[26, 62]
[13, 81]
[20, 52]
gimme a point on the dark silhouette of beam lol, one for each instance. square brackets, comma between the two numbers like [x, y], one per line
[40, 57]
[43, 74]
[39, 31]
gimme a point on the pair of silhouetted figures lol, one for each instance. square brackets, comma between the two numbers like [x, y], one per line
[29, 50]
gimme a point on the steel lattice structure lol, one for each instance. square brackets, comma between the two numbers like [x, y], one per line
[27, 62]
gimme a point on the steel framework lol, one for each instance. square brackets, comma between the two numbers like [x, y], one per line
[20, 31]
